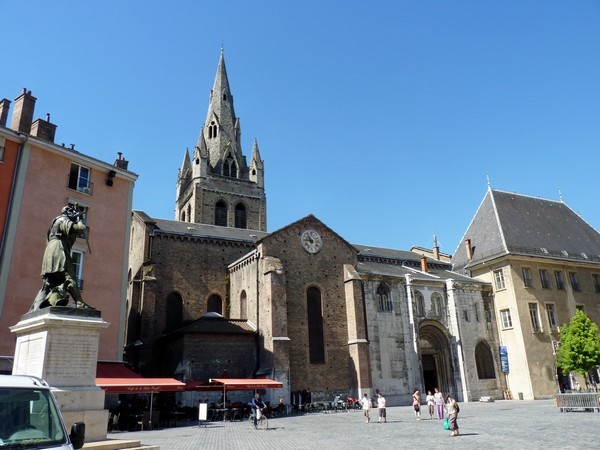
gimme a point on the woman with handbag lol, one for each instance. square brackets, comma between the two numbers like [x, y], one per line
[453, 410]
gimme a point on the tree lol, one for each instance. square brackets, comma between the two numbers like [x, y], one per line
[579, 349]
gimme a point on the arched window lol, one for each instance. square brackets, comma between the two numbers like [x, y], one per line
[316, 341]
[189, 213]
[215, 304]
[437, 304]
[174, 312]
[243, 306]
[221, 213]
[419, 304]
[230, 167]
[240, 216]
[212, 130]
[384, 301]
[182, 218]
[484, 361]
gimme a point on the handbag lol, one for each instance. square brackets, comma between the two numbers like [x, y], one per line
[446, 423]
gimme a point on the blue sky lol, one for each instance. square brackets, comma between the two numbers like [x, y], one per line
[384, 119]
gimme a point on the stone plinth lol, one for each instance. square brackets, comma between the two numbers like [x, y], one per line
[60, 345]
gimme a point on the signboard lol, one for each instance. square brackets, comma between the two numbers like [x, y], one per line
[504, 359]
[202, 412]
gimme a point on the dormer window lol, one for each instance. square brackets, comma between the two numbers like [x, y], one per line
[224, 96]
[212, 130]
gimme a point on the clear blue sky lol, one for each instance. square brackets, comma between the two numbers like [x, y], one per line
[382, 118]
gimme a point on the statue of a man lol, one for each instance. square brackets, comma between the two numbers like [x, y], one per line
[58, 270]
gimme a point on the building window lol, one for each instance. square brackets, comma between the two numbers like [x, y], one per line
[488, 315]
[551, 312]
[82, 210]
[419, 304]
[506, 319]
[1, 153]
[77, 258]
[580, 307]
[560, 281]
[596, 280]
[316, 341]
[499, 279]
[240, 216]
[174, 312]
[476, 309]
[230, 167]
[80, 178]
[384, 301]
[484, 362]
[215, 304]
[221, 213]
[466, 315]
[574, 281]
[535, 318]
[527, 279]
[212, 130]
[545, 281]
[436, 301]
[243, 306]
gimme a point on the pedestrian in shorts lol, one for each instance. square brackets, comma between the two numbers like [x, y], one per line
[381, 407]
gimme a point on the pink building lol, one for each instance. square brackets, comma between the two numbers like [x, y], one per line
[38, 178]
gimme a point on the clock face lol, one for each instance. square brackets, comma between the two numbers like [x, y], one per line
[311, 241]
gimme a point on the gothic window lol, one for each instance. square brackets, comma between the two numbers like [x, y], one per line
[240, 216]
[212, 130]
[189, 213]
[182, 218]
[384, 301]
[419, 304]
[221, 213]
[224, 96]
[316, 342]
[243, 306]
[174, 312]
[437, 304]
[484, 361]
[215, 304]
[230, 167]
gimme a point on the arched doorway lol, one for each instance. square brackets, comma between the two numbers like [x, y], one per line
[436, 359]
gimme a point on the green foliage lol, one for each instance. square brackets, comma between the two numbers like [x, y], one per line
[579, 349]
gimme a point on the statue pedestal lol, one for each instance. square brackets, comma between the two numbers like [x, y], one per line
[60, 345]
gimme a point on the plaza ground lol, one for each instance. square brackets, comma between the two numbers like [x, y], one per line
[502, 424]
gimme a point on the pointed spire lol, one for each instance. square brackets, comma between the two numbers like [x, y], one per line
[256, 155]
[186, 165]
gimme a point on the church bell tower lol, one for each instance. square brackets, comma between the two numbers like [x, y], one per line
[217, 186]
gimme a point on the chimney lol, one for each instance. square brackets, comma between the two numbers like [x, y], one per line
[4, 107]
[43, 129]
[121, 162]
[23, 112]
[436, 248]
[469, 249]
[424, 264]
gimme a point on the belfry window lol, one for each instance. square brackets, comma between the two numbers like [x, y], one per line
[316, 342]
[221, 213]
[240, 216]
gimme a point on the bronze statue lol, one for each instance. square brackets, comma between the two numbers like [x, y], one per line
[58, 270]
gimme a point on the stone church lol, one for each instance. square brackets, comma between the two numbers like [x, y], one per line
[213, 294]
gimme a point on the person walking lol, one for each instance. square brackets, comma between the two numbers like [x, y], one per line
[438, 398]
[366, 406]
[453, 410]
[430, 403]
[417, 403]
[381, 407]
[257, 407]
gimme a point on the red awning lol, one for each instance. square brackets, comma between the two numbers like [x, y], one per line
[115, 378]
[232, 384]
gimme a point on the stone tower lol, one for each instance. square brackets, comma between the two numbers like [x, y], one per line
[217, 186]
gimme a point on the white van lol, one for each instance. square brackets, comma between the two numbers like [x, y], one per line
[30, 418]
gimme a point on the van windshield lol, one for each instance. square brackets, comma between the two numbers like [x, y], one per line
[29, 419]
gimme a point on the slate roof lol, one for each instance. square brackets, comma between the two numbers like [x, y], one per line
[513, 223]
[200, 230]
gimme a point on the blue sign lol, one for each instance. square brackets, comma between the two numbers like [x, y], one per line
[503, 359]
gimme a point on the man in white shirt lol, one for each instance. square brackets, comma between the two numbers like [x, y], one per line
[366, 406]
[381, 407]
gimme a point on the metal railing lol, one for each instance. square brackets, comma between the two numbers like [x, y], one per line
[578, 400]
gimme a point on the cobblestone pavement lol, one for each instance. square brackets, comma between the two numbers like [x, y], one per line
[503, 424]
